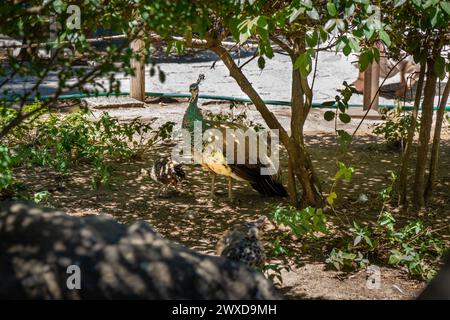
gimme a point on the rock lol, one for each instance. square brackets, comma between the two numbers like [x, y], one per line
[116, 261]
[439, 287]
[111, 102]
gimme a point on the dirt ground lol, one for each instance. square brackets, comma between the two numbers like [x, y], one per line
[193, 219]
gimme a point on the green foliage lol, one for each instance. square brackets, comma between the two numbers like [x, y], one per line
[341, 105]
[278, 249]
[64, 142]
[300, 222]
[342, 260]
[343, 172]
[413, 246]
[5, 167]
[395, 129]
[41, 197]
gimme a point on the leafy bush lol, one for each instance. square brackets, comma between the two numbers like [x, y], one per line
[346, 260]
[301, 222]
[412, 246]
[395, 129]
[63, 142]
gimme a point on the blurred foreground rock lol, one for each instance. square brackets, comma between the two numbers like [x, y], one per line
[439, 287]
[116, 261]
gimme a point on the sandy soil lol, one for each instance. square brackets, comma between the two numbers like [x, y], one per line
[194, 220]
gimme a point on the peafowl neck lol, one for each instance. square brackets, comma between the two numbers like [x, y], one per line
[192, 114]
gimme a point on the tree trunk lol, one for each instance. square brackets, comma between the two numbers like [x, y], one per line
[137, 81]
[434, 161]
[402, 190]
[300, 92]
[300, 160]
[424, 135]
[292, 187]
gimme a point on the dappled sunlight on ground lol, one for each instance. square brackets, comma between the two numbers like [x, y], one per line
[192, 218]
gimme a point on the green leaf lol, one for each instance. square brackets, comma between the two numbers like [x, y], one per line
[323, 34]
[429, 3]
[357, 240]
[261, 63]
[344, 117]
[331, 197]
[445, 5]
[342, 106]
[303, 63]
[368, 32]
[349, 10]
[376, 54]
[398, 3]
[331, 8]
[329, 115]
[59, 6]
[365, 59]
[353, 43]
[312, 39]
[439, 67]
[169, 47]
[347, 50]
[435, 16]
[261, 22]
[234, 28]
[385, 37]
[313, 14]
[295, 14]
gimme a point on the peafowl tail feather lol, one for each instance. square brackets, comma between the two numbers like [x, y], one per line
[269, 187]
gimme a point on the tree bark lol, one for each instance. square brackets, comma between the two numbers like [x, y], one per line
[137, 81]
[292, 187]
[301, 99]
[402, 190]
[434, 161]
[424, 135]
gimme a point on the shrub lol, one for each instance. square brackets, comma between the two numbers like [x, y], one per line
[395, 129]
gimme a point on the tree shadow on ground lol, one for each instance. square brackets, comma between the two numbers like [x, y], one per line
[195, 220]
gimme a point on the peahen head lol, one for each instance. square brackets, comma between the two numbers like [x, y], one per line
[254, 228]
[194, 89]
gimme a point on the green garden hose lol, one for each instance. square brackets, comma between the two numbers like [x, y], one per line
[205, 96]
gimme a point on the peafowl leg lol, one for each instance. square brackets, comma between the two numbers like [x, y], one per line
[230, 195]
[162, 192]
[158, 193]
[213, 180]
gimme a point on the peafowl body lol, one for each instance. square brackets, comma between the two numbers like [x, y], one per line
[216, 161]
[167, 173]
[244, 244]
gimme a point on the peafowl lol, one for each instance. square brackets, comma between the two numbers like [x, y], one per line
[216, 161]
[244, 244]
[167, 173]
